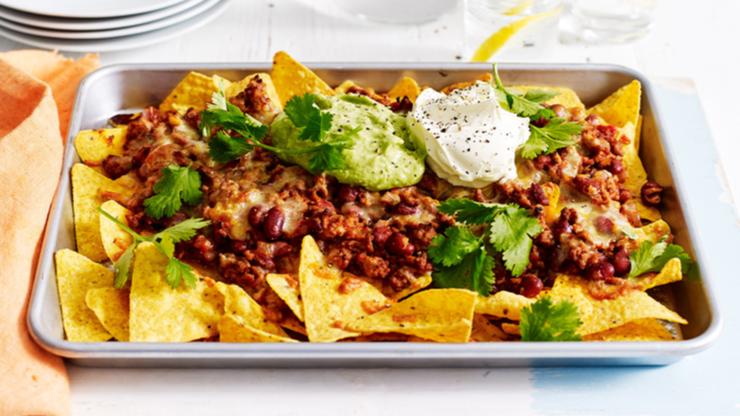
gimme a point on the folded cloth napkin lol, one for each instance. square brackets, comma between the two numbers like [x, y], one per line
[32, 381]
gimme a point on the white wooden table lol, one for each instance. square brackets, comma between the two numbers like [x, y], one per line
[690, 40]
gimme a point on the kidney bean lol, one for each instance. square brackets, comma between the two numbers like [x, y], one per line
[651, 193]
[399, 244]
[604, 224]
[617, 167]
[621, 262]
[273, 224]
[600, 271]
[531, 285]
[405, 209]
[256, 215]
[538, 195]
[347, 193]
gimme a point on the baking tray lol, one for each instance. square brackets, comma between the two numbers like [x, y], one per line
[667, 152]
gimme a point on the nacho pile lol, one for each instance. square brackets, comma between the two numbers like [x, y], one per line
[191, 227]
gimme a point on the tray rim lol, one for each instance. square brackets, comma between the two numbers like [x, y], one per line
[363, 351]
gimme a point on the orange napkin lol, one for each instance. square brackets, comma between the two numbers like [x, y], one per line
[32, 381]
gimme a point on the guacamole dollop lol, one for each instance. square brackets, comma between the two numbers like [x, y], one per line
[381, 152]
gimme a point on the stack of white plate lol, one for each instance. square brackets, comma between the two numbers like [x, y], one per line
[102, 25]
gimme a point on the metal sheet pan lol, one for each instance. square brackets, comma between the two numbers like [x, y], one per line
[121, 88]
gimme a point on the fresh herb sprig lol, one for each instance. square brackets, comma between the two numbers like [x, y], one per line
[462, 260]
[651, 257]
[545, 320]
[178, 185]
[510, 228]
[556, 133]
[239, 133]
[165, 240]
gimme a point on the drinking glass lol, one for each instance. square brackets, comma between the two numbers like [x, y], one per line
[397, 11]
[613, 21]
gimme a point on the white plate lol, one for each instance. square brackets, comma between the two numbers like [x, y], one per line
[87, 8]
[114, 33]
[117, 44]
[60, 23]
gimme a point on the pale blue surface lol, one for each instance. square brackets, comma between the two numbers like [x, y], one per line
[704, 384]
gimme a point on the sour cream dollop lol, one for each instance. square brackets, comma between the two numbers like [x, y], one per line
[470, 139]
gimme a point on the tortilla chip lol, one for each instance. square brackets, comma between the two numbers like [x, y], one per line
[238, 303]
[232, 328]
[622, 107]
[639, 330]
[293, 324]
[503, 305]
[552, 210]
[442, 315]
[600, 315]
[286, 287]
[346, 85]
[93, 146]
[110, 306]
[511, 329]
[76, 274]
[671, 272]
[87, 185]
[405, 87]
[485, 331]
[272, 105]
[653, 232]
[160, 313]
[291, 78]
[565, 96]
[193, 91]
[332, 299]
[115, 239]
[420, 283]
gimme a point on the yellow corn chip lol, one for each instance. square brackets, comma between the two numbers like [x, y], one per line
[272, 105]
[110, 306]
[405, 87]
[237, 302]
[503, 305]
[93, 146]
[76, 274]
[115, 239]
[442, 315]
[565, 96]
[653, 232]
[600, 315]
[291, 78]
[345, 86]
[552, 210]
[485, 331]
[671, 272]
[420, 283]
[286, 287]
[511, 329]
[486, 77]
[639, 330]
[193, 91]
[232, 328]
[292, 323]
[332, 299]
[160, 313]
[622, 107]
[86, 198]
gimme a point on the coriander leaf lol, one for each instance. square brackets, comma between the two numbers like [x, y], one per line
[326, 157]
[122, 266]
[474, 272]
[183, 230]
[651, 257]
[539, 96]
[548, 321]
[177, 271]
[469, 211]
[542, 116]
[305, 114]
[517, 104]
[317, 127]
[555, 135]
[223, 148]
[220, 113]
[511, 233]
[450, 248]
[177, 185]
